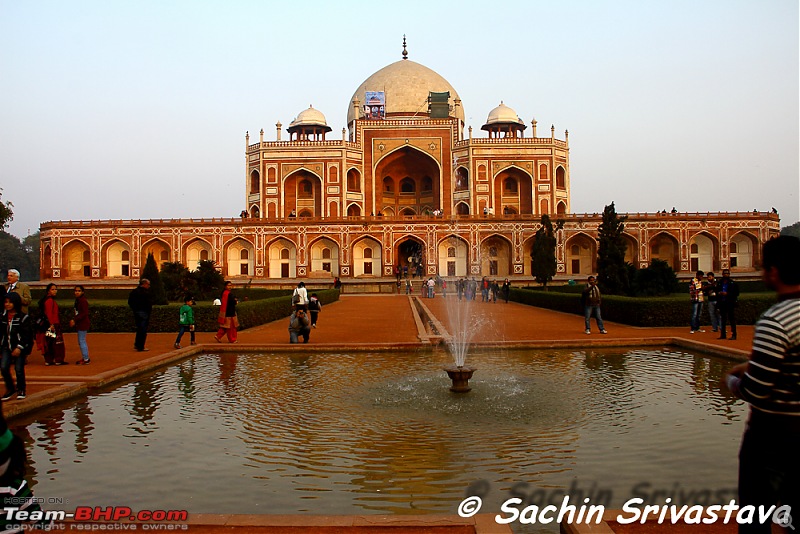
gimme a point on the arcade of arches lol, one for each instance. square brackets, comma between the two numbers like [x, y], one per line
[373, 247]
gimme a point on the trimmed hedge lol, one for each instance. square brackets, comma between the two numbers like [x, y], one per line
[65, 292]
[119, 317]
[672, 310]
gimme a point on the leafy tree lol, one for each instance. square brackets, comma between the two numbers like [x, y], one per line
[31, 245]
[150, 272]
[208, 278]
[543, 254]
[793, 229]
[178, 281]
[657, 279]
[612, 272]
[6, 214]
[14, 256]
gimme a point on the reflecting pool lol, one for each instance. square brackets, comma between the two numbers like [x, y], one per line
[381, 433]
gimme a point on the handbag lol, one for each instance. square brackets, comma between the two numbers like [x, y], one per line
[295, 297]
[51, 333]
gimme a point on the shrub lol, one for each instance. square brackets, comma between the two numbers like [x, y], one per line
[119, 318]
[656, 279]
[672, 310]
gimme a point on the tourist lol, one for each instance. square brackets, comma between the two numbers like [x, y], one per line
[710, 293]
[51, 341]
[696, 298]
[727, 297]
[141, 304]
[15, 492]
[430, 284]
[227, 318]
[337, 284]
[16, 342]
[22, 289]
[591, 299]
[485, 289]
[314, 307]
[460, 288]
[506, 290]
[81, 323]
[300, 297]
[185, 321]
[299, 326]
[473, 289]
[494, 287]
[769, 466]
[408, 286]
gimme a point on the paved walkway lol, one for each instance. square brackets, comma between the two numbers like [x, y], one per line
[355, 321]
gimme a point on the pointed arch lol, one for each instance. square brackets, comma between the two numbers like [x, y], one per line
[417, 179]
[663, 246]
[282, 254]
[580, 254]
[239, 254]
[744, 252]
[160, 249]
[496, 256]
[324, 257]
[116, 259]
[513, 188]
[76, 259]
[561, 177]
[255, 181]
[367, 257]
[453, 256]
[703, 252]
[196, 250]
[462, 208]
[302, 190]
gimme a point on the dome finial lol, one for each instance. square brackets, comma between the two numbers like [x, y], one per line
[405, 52]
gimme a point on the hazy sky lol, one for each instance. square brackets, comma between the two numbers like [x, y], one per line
[138, 109]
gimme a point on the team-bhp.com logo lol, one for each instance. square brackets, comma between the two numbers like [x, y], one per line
[149, 519]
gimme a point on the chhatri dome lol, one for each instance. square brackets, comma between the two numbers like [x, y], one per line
[504, 122]
[407, 86]
[310, 125]
[310, 117]
[503, 114]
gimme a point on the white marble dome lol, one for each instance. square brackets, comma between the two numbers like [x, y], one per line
[309, 117]
[406, 85]
[503, 114]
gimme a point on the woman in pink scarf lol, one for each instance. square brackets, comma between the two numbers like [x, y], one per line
[228, 322]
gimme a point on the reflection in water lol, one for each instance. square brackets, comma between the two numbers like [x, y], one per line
[144, 404]
[83, 427]
[381, 433]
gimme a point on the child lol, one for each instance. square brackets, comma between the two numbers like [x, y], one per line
[186, 321]
[314, 306]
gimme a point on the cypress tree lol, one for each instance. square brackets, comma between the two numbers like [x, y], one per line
[543, 253]
[612, 272]
[150, 271]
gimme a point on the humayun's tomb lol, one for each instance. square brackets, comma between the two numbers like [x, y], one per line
[403, 184]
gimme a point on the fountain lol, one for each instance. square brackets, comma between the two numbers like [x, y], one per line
[457, 336]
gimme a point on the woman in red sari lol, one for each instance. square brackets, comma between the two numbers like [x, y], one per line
[51, 341]
[228, 322]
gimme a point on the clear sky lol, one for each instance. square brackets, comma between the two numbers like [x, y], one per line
[138, 109]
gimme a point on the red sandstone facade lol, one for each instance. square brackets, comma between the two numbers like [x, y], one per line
[409, 184]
